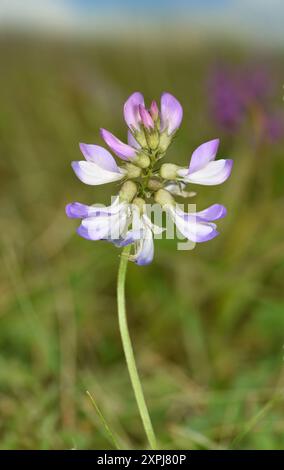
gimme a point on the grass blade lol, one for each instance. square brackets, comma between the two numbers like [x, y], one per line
[109, 433]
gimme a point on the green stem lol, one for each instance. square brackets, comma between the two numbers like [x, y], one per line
[128, 350]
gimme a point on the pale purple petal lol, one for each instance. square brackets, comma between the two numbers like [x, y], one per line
[204, 233]
[215, 172]
[131, 111]
[76, 210]
[171, 113]
[90, 173]
[100, 156]
[132, 141]
[124, 151]
[203, 155]
[214, 212]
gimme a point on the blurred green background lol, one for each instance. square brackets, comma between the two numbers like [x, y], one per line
[207, 325]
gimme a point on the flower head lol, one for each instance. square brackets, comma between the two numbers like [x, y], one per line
[126, 221]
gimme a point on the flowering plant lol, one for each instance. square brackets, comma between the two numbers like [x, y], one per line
[125, 223]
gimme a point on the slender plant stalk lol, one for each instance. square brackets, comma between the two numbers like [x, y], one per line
[128, 350]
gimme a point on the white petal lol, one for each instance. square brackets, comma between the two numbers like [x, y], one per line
[215, 172]
[154, 228]
[177, 189]
[107, 227]
[90, 173]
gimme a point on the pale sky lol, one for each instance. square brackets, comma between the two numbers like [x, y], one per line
[260, 20]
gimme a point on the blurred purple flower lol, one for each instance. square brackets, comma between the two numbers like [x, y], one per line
[274, 126]
[236, 94]
[256, 83]
[225, 99]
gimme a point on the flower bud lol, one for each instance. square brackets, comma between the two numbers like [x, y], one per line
[140, 137]
[140, 203]
[164, 198]
[142, 160]
[154, 110]
[133, 171]
[168, 171]
[154, 184]
[153, 139]
[165, 141]
[128, 191]
[146, 118]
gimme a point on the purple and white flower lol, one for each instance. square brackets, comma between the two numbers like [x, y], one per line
[203, 168]
[99, 166]
[199, 226]
[101, 223]
[111, 224]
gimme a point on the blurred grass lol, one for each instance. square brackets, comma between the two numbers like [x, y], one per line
[207, 325]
